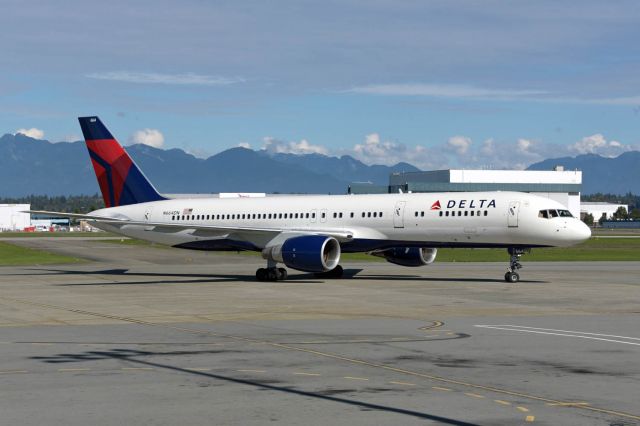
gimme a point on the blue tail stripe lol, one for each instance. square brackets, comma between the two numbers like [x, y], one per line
[93, 129]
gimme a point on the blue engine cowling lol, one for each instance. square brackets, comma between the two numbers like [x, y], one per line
[409, 256]
[310, 253]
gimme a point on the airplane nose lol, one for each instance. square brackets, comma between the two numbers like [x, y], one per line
[581, 232]
[586, 231]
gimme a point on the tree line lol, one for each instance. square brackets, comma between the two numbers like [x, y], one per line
[61, 203]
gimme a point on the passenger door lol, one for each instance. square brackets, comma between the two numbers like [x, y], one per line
[398, 214]
[512, 214]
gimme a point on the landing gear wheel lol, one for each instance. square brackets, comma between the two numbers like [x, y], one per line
[282, 274]
[272, 274]
[512, 277]
[261, 274]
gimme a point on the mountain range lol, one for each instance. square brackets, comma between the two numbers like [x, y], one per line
[32, 166]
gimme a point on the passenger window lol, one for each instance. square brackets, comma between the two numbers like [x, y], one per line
[446, 213]
[486, 212]
[324, 215]
[440, 213]
[368, 214]
[466, 213]
[460, 213]
[363, 215]
[307, 215]
[313, 215]
[416, 214]
[421, 214]
[375, 214]
[472, 212]
[351, 214]
[340, 215]
[296, 215]
[380, 214]
[335, 215]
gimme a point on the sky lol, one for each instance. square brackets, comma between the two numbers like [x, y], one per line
[474, 84]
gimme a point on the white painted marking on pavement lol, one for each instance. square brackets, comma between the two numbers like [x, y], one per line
[564, 333]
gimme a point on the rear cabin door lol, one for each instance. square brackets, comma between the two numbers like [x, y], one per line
[398, 214]
[512, 214]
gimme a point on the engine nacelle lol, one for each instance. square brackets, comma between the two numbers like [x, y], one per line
[309, 253]
[409, 256]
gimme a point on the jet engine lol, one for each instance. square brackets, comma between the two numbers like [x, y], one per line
[408, 256]
[309, 253]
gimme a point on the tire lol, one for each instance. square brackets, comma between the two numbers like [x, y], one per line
[272, 274]
[512, 277]
[261, 274]
[282, 274]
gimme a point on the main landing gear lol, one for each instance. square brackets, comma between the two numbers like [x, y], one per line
[512, 276]
[271, 274]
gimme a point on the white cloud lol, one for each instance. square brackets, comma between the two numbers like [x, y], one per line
[158, 78]
[276, 146]
[151, 137]
[245, 145]
[445, 91]
[32, 133]
[376, 151]
[459, 144]
[598, 144]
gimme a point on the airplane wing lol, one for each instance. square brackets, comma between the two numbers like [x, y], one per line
[341, 235]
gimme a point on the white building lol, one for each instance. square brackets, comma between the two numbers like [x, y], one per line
[559, 185]
[597, 209]
[12, 218]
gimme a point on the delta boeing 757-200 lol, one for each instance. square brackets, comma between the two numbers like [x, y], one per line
[309, 233]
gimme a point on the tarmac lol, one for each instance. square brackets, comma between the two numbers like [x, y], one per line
[160, 336]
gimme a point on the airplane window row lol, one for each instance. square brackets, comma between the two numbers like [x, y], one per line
[549, 214]
[245, 216]
[464, 213]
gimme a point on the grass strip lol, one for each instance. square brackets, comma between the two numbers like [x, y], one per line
[13, 255]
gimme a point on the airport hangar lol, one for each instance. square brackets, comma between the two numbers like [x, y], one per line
[558, 184]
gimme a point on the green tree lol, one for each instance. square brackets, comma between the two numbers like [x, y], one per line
[621, 213]
[588, 219]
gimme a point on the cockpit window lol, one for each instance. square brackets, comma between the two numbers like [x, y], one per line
[549, 214]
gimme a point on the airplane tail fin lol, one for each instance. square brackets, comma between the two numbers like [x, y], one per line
[120, 180]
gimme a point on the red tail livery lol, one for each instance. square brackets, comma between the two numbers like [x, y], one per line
[121, 181]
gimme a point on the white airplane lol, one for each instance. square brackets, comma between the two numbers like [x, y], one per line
[309, 233]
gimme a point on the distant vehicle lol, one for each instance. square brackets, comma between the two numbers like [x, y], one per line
[309, 233]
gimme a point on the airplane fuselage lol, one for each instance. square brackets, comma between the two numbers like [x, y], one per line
[368, 222]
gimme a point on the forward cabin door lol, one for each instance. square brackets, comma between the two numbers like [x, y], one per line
[512, 214]
[398, 214]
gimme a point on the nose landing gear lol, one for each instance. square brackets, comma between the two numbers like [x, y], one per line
[512, 276]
